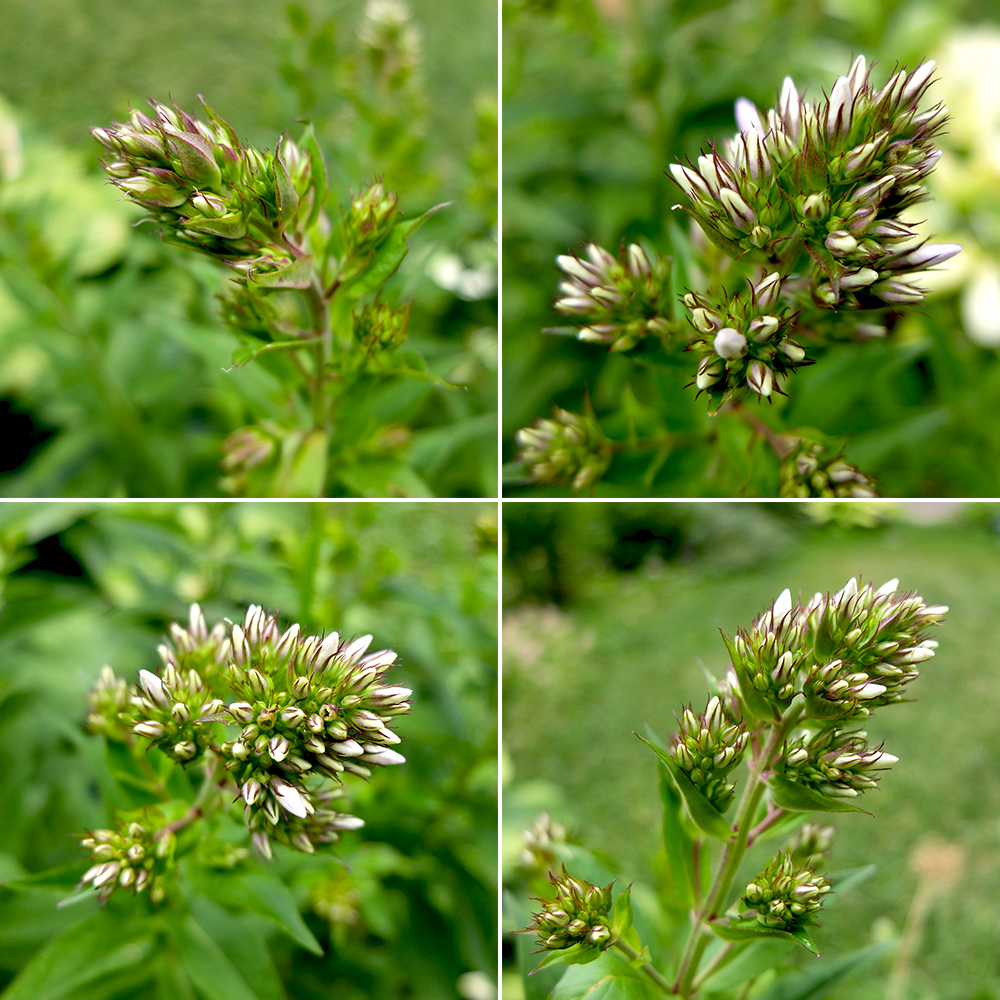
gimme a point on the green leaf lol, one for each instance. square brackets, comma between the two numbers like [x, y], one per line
[790, 795]
[382, 266]
[677, 842]
[821, 977]
[288, 199]
[65, 876]
[298, 274]
[412, 227]
[751, 929]
[230, 227]
[622, 916]
[303, 464]
[575, 954]
[608, 978]
[759, 957]
[86, 952]
[244, 355]
[706, 817]
[318, 170]
[259, 892]
[204, 961]
[826, 640]
[756, 703]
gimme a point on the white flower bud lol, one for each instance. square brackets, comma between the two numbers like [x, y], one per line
[730, 343]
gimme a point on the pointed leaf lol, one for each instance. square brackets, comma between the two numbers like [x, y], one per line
[622, 916]
[204, 961]
[269, 896]
[86, 952]
[298, 274]
[230, 227]
[287, 198]
[797, 798]
[826, 641]
[412, 227]
[819, 978]
[759, 957]
[242, 356]
[706, 817]
[381, 267]
[317, 166]
[751, 929]
[576, 954]
[677, 842]
[609, 978]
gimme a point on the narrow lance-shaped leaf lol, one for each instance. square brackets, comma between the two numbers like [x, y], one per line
[705, 816]
[677, 842]
[797, 798]
[753, 930]
[757, 705]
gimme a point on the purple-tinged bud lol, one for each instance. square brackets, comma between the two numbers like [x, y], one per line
[257, 681]
[917, 82]
[860, 279]
[898, 291]
[790, 108]
[873, 192]
[154, 689]
[766, 292]
[293, 716]
[839, 110]
[795, 352]
[242, 712]
[153, 730]
[185, 750]
[861, 219]
[278, 748]
[815, 207]
[926, 256]
[739, 212]
[760, 378]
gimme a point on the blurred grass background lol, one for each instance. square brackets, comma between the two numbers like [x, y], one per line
[601, 95]
[610, 609]
[83, 584]
[114, 381]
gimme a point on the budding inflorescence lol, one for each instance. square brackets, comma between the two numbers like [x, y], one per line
[300, 709]
[785, 896]
[569, 446]
[619, 301]
[810, 471]
[579, 915]
[835, 763]
[134, 856]
[707, 748]
[812, 195]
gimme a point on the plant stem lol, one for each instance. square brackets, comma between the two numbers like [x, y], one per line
[627, 949]
[781, 443]
[199, 806]
[732, 856]
[772, 817]
[713, 965]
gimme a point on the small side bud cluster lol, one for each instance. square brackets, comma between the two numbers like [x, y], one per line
[110, 706]
[809, 471]
[538, 854]
[810, 845]
[579, 915]
[380, 326]
[132, 857]
[786, 896]
[707, 748]
[570, 446]
[169, 710]
[834, 763]
[367, 222]
[746, 341]
[619, 300]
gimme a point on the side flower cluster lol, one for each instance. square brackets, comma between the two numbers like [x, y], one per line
[619, 301]
[786, 897]
[707, 748]
[835, 763]
[131, 857]
[579, 915]
[570, 446]
[808, 472]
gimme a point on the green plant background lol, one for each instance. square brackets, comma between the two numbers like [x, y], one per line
[85, 584]
[114, 380]
[599, 97]
[611, 608]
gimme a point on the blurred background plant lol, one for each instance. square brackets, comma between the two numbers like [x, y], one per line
[404, 908]
[610, 609]
[116, 382]
[600, 97]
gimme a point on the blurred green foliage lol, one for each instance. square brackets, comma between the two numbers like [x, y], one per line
[627, 650]
[116, 383]
[403, 908]
[600, 96]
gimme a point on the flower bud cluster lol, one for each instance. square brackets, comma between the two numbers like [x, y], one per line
[310, 706]
[746, 341]
[867, 646]
[207, 189]
[380, 326]
[367, 222]
[619, 300]
[169, 710]
[131, 857]
[538, 853]
[812, 193]
[810, 845]
[569, 446]
[846, 653]
[580, 914]
[834, 763]
[807, 472]
[786, 896]
[707, 748]
[110, 707]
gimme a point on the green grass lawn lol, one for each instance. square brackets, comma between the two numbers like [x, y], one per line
[578, 680]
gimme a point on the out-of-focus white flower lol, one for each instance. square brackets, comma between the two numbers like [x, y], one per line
[981, 307]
